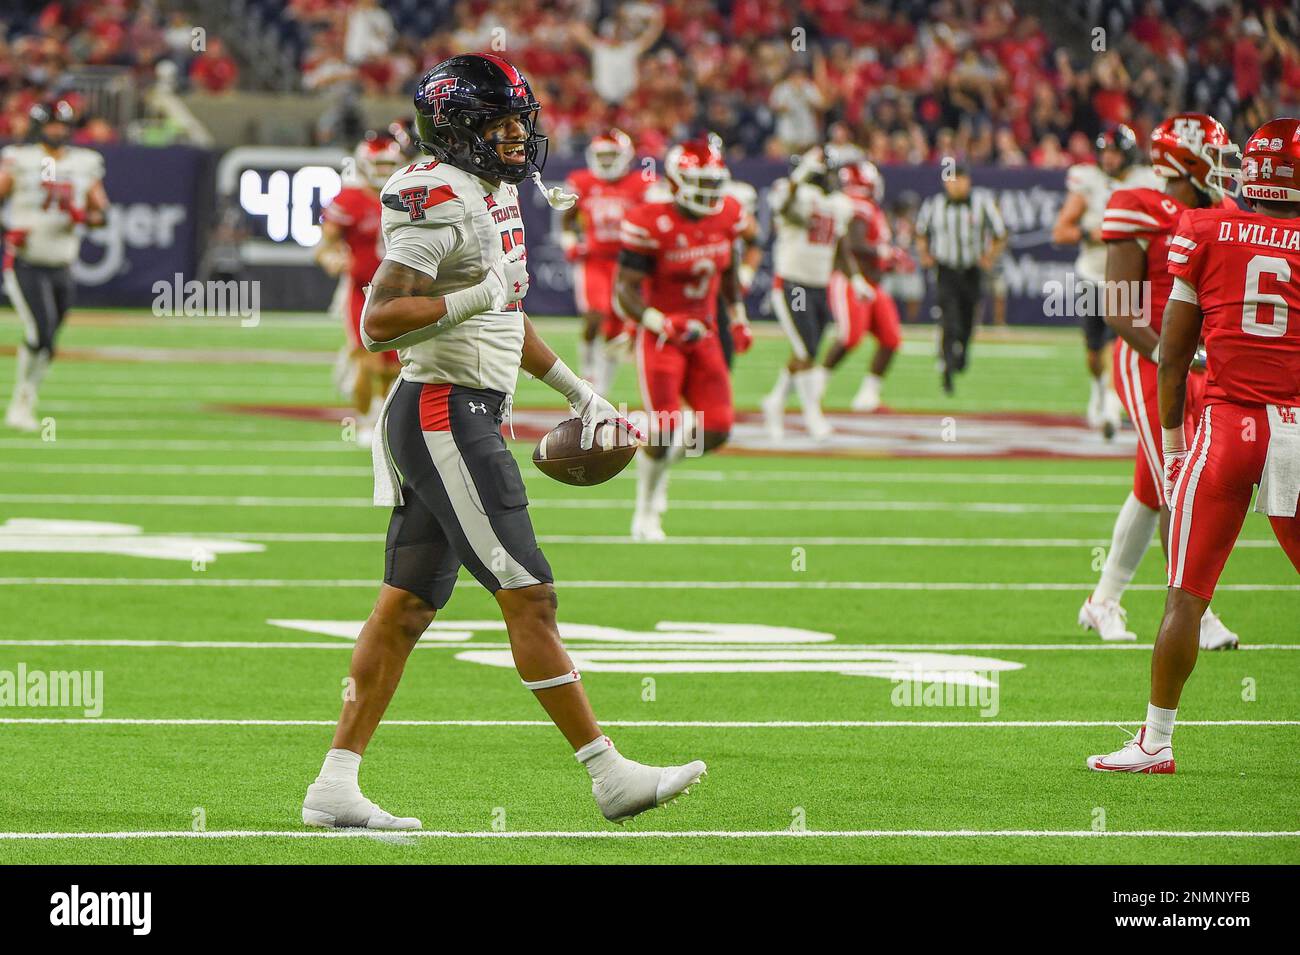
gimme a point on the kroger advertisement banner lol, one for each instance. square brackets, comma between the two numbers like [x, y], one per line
[158, 200]
[1028, 198]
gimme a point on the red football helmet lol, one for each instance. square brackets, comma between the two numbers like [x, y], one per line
[377, 157]
[698, 176]
[1195, 146]
[610, 155]
[1271, 161]
[862, 180]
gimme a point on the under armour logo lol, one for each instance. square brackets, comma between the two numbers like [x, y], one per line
[478, 407]
[1287, 415]
[518, 287]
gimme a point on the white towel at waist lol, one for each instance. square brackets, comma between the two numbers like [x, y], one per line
[1279, 485]
[388, 485]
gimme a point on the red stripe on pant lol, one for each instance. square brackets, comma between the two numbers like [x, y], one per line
[434, 413]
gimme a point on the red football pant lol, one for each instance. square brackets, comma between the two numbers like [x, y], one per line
[697, 372]
[357, 302]
[593, 292]
[855, 317]
[1134, 379]
[1213, 493]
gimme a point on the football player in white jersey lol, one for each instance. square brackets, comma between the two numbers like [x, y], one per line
[448, 297]
[49, 191]
[1089, 188]
[810, 217]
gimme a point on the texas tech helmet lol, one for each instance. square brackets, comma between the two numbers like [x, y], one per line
[53, 111]
[1195, 146]
[457, 99]
[1123, 140]
[1270, 164]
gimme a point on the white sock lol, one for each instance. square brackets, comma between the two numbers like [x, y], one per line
[588, 356]
[1134, 526]
[805, 386]
[781, 390]
[1095, 393]
[1160, 727]
[341, 765]
[605, 367]
[650, 475]
[872, 383]
[820, 376]
[599, 756]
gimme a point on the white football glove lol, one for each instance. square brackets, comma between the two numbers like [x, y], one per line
[510, 275]
[592, 409]
[1175, 448]
[862, 289]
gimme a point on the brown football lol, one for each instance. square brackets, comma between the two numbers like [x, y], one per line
[558, 455]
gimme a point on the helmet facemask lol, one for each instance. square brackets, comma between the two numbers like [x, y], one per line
[700, 190]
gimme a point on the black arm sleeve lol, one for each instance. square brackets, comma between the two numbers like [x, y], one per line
[636, 261]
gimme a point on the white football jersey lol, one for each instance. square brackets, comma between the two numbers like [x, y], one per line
[453, 226]
[1096, 187]
[804, 250]
[45, 192]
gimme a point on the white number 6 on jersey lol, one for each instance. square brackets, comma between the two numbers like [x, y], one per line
[1280, 269]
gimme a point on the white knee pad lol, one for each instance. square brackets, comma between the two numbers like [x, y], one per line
[573, 676]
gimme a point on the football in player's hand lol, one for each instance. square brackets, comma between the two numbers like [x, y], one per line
[559, 454]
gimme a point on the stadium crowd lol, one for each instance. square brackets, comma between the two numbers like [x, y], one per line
[908, 80]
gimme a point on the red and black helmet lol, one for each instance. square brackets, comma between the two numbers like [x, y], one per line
[1270, 164]
[1123, 140]
[457, 99]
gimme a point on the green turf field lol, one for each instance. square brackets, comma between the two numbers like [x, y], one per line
[749, 640]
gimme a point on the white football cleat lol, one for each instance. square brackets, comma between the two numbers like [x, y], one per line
[332, 804]
[20, 417]
[648, 529]
[1214, 635]
[1107, 617]
[1133, 757]
[631, 788]
[868, 396]
[773, 417]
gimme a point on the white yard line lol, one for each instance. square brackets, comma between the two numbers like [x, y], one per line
[400, 836]
[115, 642]
[646, 724]
[582, 504]
[111, 444]
[899, 585]
[686, 473]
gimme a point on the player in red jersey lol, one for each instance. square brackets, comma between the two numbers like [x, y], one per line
[1233, 285]
[870, 242]
[677, 257]
[1188, 152]
[606, 190]
[351, 243]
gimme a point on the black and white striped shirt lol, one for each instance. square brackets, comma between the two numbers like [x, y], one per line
[959, 232]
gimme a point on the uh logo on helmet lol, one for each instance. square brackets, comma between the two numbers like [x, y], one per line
[1195, 146]
[457, 100]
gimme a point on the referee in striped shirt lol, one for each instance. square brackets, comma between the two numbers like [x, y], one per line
[960, 235]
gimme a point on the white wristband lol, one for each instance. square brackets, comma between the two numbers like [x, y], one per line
[738, 314]
[1155, 354]
[562, 379]
[1174, 440]
[652, 320]
[471, 301]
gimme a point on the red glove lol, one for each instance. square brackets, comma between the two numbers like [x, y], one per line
[16, 238]
[742, 336]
